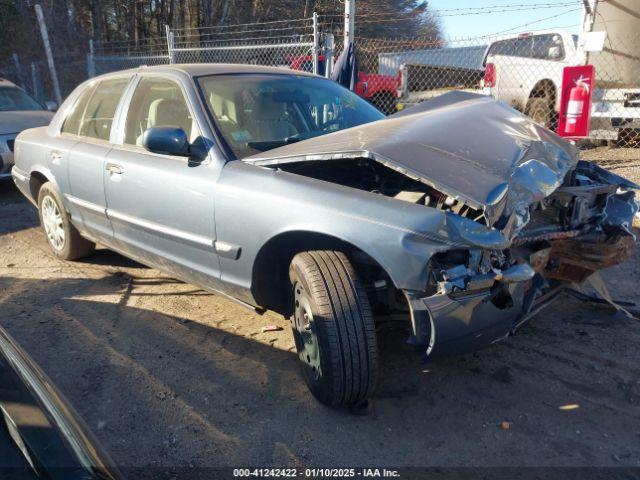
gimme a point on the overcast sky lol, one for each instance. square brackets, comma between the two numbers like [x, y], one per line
[459, 25]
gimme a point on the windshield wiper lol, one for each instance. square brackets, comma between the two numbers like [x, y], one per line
[263, 146]
[269, 144]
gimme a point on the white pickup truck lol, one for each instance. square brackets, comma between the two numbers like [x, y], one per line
[525, 70]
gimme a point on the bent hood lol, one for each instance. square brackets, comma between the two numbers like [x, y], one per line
[465, 145]
[19, 120]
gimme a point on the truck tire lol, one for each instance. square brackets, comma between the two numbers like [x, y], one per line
[385, 102]
[333, 328]
[63, 238]
[540, 109]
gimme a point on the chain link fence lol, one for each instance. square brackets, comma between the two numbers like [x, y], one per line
[290, 43]
[521, 69]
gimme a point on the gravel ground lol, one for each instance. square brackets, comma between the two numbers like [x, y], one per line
[622, 161]
[170, 377]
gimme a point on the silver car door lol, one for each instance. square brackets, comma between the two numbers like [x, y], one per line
[161, 206]
[86, 160]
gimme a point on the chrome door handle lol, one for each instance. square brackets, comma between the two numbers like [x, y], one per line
[113, 168]
[56, 157]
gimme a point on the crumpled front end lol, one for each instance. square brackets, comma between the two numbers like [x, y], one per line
[523, 216]
[477, 297]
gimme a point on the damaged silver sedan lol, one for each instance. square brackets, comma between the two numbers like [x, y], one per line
[287, 192]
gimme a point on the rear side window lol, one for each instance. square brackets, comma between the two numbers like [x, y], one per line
[157, 102]
[98, 115]
[74, 120]
[512, 47]
[548, 47]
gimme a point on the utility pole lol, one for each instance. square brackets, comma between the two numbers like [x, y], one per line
[91, 60]
[47, 49]
[16, 61]
[170, 43]
[34, 82]
[316, 47]
[589, 14]
[349, 21]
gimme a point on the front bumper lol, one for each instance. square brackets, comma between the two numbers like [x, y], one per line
[456, 324]
[492, 306]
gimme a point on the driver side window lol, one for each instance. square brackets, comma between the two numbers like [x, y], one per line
[156, 103]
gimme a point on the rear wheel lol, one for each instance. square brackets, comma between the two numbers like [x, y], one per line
[64, 239]
[540, 109]
[333, 328]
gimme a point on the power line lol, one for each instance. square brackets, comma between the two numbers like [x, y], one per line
[451, 12]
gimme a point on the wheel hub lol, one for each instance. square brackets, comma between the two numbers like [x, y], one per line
[52, 221]
[305, 331]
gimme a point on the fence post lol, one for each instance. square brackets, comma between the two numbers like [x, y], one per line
[34, 81]
[91, 61]
[170, 45]
[47, 49]
[349, 21]
[316, 42]
[328, 54]
[19, 73]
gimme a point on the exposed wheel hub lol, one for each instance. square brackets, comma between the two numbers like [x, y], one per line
[305, 332]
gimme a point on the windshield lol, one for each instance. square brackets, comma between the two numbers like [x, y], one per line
[258, 112]
[12, 98]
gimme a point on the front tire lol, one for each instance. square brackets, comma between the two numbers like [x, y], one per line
[63, 238]
[333, 328]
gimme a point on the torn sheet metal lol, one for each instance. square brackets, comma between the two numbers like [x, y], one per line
[600, 287]
[468, 146]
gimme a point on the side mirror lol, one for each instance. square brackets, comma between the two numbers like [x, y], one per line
[51, 106]
[167, 139]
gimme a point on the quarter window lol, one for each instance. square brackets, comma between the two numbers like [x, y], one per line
[74, 120]
[98, 114]
[155, 103]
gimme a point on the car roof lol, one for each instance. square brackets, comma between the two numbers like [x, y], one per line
[201, 69]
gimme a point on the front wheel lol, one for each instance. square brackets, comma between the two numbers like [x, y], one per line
[64, 239]
[333, 328]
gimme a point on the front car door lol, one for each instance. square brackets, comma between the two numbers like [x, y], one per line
[161, 206]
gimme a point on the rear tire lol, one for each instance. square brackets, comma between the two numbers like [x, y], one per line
[540, 109]
[333, 328]
[63, 238]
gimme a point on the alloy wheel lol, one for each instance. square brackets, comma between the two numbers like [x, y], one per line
[53, 224]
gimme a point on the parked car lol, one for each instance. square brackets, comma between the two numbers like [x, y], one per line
[382, 91]
[18, 111]
[41, 435]
[285, 191]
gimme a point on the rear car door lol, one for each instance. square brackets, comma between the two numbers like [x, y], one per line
[92, 125]
[161, 206]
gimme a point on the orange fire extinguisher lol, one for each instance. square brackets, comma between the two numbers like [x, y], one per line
[578, 102]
